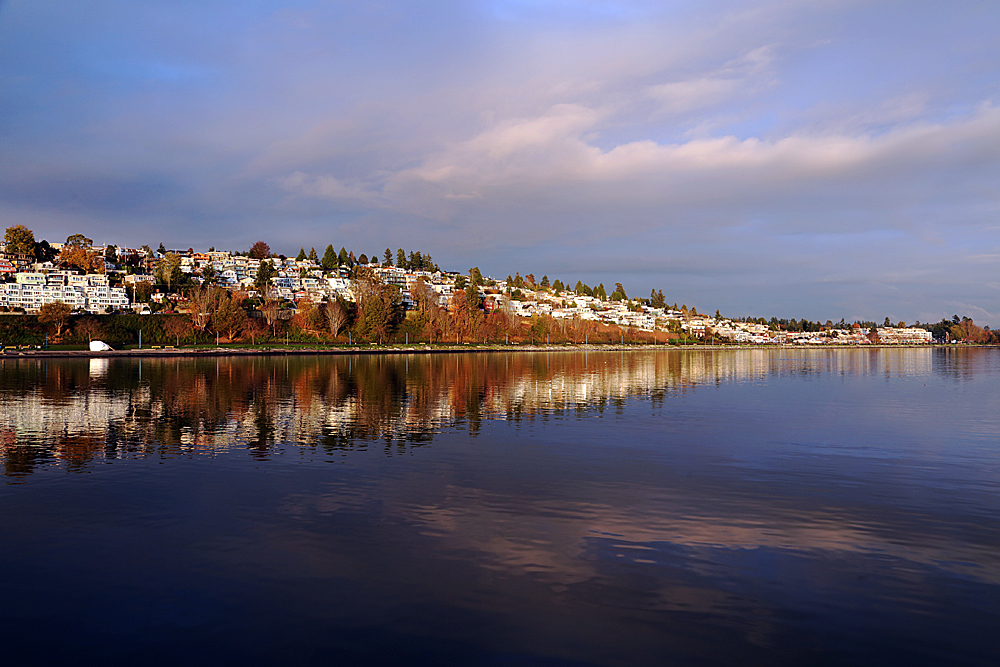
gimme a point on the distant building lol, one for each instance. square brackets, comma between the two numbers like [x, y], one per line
[903, 336]
[89, 293]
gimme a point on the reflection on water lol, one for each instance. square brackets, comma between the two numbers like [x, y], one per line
[66, 411]
[99, 367]
[675, 507]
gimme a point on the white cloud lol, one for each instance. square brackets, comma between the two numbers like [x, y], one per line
[740, 78]
[551, 150]
[684, 96]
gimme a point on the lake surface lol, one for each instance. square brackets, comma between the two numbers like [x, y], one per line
[790, 507]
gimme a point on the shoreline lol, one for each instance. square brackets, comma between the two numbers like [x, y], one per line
[427, 349]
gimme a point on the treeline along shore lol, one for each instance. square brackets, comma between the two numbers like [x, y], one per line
[175, 331]
[172, 335]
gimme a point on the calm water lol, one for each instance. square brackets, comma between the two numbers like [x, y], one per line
[677, 507]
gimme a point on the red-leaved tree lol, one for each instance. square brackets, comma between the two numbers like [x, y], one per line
[260, 250]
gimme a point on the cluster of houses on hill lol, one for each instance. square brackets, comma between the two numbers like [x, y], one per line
[26, 286]
[629, 313]
[89, 293]
[855, 334]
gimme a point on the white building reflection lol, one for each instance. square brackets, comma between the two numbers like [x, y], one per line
[110, 410]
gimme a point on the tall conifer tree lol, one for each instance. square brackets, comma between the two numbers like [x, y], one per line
[329, 262]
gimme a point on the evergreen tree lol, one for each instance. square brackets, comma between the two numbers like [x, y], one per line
[363, 259]
[387, 258]
[313, 257]
[44, 252]
[208, 275]
[601, 293]
[579, 288]
[472, 297]
[301, 256]
[343, 258]
[401, 259]
[476, 276]
[329, 262]
[262, 283]
[545, 281]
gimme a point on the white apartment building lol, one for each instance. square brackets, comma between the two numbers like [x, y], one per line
[904, 336]
[90, 293]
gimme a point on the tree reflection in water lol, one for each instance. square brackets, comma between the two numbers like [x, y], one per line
[73, 412]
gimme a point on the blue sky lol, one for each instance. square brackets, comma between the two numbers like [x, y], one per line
[823, 159]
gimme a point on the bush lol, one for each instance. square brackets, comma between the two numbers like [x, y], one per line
[20, 330]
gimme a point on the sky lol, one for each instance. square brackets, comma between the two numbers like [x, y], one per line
[793, 158]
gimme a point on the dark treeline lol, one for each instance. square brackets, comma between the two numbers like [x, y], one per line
[558, 288]
[331, 259]
[117, 329]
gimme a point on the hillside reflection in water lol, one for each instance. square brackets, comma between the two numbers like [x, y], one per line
[81, 410]
[678, 507]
